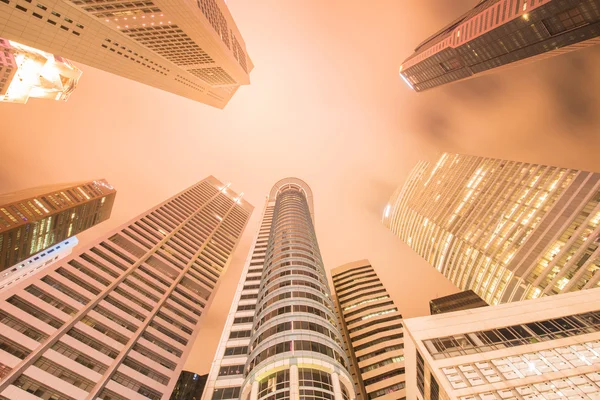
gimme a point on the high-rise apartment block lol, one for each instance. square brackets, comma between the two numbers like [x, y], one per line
[542, 349]
[189, 48]
[501, 32]
[27, 72]
[281, 338]
[117, 320]
[373, 331]
[507, 230]
[464, 300]
[35, 219]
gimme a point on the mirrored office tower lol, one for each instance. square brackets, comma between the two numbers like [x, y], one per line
[497, 33]
[507, 230]
[281, 339]
[117, 320]
[33, 220]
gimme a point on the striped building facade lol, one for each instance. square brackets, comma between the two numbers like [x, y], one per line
[117, 320]
[373, 332]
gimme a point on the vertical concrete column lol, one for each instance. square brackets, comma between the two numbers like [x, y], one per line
[294, 383]
[337, 390]
[254, 392]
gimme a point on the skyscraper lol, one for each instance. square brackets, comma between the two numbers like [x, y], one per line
[464, 300]
[27, 72]
[37, 262]
[192, 49]
[501, 32]
[540, 349]
[117, 320]
[507, 230]
[190, 386]
[281, 339]
[372, 329]
[34, 219]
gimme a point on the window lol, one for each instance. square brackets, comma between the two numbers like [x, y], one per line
[22, 327]
[65, 289]
[104, 329]
[63, 272]
[116, 319]
[85, 339]
[243, 320]
[231, 370]
[34, 311]
[387, 375]
[451, 64]
[377, 341]
[420, 374]
[154, 357]
[565, 21]
[13, 348]
[236, 351]
[37, 389]
[63, 373]
[434, 388]
[239, 334]
[279, 381]
[387, 390]
[136, 386]
[54, 302]
[142, 369]
[168, 348]
[226, 393]
[78, 357]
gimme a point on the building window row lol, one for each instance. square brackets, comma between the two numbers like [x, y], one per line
[275, 385]
[382, 363]
[380, 352]
[516, 335]
[377, 341]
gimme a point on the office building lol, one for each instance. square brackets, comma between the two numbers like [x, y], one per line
[189, 386]
[281, 338]
[191, 49]
[117, 320]
[464, 300]
[33, 220]
[507, 230]
[27, 72]
[540, 349]
[373, 331]
[498, 33]
[37, 262]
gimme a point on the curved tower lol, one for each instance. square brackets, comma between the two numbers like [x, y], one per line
[294, 345]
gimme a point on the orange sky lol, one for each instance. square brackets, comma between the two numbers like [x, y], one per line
[325, 105]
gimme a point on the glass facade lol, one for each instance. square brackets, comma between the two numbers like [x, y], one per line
[189, 386]
[507, 230]
[455, 302]
[500, 32]
[36, 219]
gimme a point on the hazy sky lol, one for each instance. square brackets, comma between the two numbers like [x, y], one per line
[325, 105]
